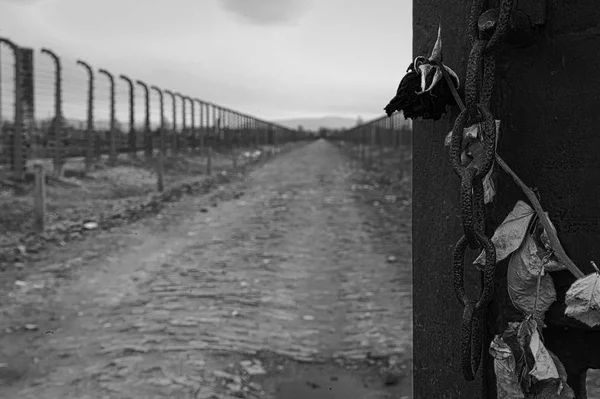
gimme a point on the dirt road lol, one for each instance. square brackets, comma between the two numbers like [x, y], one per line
[292, 283]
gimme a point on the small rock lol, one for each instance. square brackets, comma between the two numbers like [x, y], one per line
[161, 382]
[197, 363]
[31, 327]
[236, 390]
[22, 250]
[255, 369]
[225, 375]
[20, 283]
[308, 317]
[391, 258]
[90, 225]
[254, 386]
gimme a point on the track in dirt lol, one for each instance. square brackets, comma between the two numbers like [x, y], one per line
[292, 269]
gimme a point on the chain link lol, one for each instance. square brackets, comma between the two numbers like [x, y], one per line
[476, 111]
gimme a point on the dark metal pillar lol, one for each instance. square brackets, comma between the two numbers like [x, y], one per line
[546, 98]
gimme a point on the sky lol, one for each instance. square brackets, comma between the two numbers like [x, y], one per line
[270, 58]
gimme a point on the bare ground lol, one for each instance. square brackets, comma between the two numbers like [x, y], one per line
[293, 283]
[106, 186]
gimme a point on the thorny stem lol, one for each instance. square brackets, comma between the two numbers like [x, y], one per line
[556, 245]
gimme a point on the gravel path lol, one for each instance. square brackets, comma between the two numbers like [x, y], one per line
[288, 262]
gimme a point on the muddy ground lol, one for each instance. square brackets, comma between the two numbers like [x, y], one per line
[293, 282]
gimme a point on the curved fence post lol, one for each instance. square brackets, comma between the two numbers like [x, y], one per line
[225, 128]
[161, 141]
[181, 136]
[174, 127]
[57, 127]
[246, 131]
[192, 135]
[89, 148]
[221, 127]
[16, 139]
[236, 130]
[131, 138]
[112, 139]
[148, 148]
[201, 128]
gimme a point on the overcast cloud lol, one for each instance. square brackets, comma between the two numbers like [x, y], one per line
[267, 12]
[269, 58]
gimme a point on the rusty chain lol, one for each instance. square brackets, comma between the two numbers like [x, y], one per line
[476, 111]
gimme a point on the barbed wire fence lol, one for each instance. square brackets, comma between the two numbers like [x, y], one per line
[55, 109]
[373, 142]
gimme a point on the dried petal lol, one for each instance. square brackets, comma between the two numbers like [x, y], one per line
[424, 71]
[436, 53]
[453, 75]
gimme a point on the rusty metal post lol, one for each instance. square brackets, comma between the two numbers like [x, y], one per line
[131, 138]
[236, 131]
[180, 138]
[215, 121]
[210, 118]
[218, 127]
[174, 127]
[89, 134]
[148, 147]
[226, 129]
[255, 132]
[192, 135]
[57, 125]
[112, 139]
[244, 138]
[161, 142]
[202, 126]
[27, 92]
[16, 150]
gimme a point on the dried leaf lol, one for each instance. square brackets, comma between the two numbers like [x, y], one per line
[544, 250]
[469, 133]
[544, 368]
[522, 279]
[489, 187]
[507, 381]
[583, 300]
[518, 336]
[554, 389]
[509, 235]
